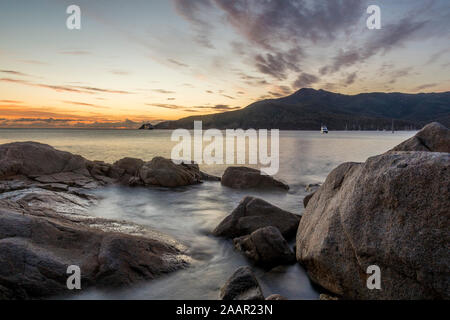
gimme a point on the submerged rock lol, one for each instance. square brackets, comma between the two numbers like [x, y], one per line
[242, 285]
[266, 246]
[391, 211]
[433, 137]
[249, 178]
[252, 214]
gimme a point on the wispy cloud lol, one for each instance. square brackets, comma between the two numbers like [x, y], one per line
[178, 63]
[277, 64]
[163, 91]
[15, 73]
[217, 107]
[228, 97]
[305, 80]
[164, 105]
[351, 78]
[94, 89]
[61, 88]
[85, 104]
[11, 101]
[395, 35]
[425, 86]
[193, 11]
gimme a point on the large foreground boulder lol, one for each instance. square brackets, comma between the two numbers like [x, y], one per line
[37, 248]
[433, 137]
[36, 159]
[391, 211]
[242, 285]
[249, 178]
[266, 247]
[252, 214]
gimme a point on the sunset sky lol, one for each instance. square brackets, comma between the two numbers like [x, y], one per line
[143, 60]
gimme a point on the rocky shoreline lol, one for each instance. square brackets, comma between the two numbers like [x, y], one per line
[392, 211]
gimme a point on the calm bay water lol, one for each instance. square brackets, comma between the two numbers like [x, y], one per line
[190, 213]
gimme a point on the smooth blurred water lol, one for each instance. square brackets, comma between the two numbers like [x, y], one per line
[191, 213]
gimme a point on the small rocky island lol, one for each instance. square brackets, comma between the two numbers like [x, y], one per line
[146, 126]
[391, 211]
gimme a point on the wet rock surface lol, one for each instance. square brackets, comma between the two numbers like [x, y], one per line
[242, 285]
[163, 172]
[37, 245]
[249, 178]
[252, 214]
[266, 247]
[391, 211]
[433, 137]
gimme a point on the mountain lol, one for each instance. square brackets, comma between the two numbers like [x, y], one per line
[307, 109]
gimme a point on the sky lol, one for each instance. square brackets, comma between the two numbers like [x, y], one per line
[153, 60]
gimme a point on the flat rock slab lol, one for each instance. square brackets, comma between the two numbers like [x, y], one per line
[35, 252]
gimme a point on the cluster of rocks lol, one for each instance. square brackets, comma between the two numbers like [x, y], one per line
[259, 230]
[45, 226]
[44, 164]
[391, 211]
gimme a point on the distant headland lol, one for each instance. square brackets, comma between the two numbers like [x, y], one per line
[308, 109]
